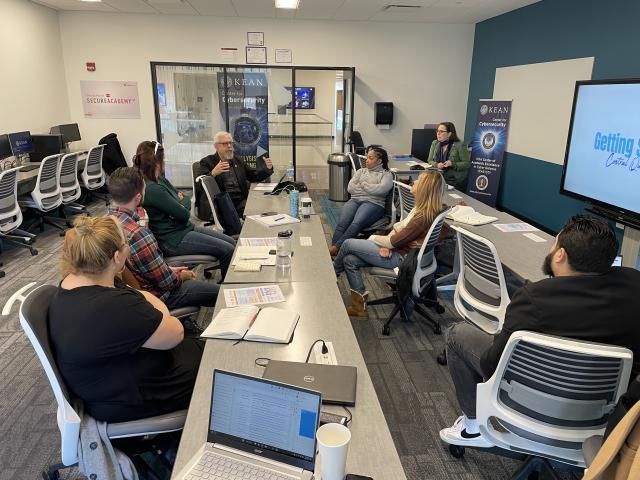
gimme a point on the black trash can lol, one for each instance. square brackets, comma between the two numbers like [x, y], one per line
[339, 176]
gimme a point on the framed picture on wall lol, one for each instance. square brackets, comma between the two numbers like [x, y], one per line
[256, 55]
[255, 38]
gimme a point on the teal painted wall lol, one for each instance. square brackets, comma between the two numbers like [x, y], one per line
[544, 32]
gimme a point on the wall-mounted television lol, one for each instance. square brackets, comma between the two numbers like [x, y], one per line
[305, 98]
[602, 158]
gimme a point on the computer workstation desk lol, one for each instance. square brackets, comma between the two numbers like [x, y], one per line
[322, 316]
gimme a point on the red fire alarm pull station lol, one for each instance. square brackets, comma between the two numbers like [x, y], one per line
[91, 66]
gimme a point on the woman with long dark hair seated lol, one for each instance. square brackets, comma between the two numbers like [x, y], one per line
[169, 213]
[118, 350]
[449, 155]
[368, 188]
[388, 251]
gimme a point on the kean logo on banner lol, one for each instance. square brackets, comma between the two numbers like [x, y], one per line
[246, 95]
[487, 151]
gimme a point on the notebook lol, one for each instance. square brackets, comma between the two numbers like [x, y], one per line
[262, 255]
[467, 215]
[274, 220]
[252, 323]
[258, 429]
[336, 382]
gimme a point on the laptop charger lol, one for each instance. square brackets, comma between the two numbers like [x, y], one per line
[326, 417]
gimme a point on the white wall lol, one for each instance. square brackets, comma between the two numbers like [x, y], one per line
[33, 90]
[423, 68]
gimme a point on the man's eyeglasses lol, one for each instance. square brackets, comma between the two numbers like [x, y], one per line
[226, 144]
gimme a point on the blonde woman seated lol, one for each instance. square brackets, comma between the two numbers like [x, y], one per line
[388, 251]
[118, 350]
[368, 188]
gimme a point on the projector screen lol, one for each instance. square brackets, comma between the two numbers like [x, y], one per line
[602, 159]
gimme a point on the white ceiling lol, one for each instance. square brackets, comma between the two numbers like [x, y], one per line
[431, 11]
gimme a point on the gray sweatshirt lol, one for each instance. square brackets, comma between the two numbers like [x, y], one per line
[371, 185]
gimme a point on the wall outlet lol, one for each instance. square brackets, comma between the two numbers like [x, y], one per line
[328, 358]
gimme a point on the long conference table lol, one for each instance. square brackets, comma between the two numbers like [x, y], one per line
[309, 289]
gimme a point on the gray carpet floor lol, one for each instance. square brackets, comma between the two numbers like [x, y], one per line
[415, 392]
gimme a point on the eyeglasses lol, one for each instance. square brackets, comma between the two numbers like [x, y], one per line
[226, 144]
[442, 131]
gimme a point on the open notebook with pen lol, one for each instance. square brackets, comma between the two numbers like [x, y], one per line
[252, 323]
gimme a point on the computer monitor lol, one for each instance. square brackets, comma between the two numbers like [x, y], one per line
[45, 145]
[5, 148]
[421, 139]
[20, 142]
[70, 132]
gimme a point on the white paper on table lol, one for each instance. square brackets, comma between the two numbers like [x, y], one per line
[258, 242]
[534, 237]
[455, 195]
[411, 163]
[515, 227]
[274, 220]
[253, 295]
[306, 242]
[265, 187]
[254, 255]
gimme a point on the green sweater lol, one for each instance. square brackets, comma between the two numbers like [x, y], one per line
[459, 156]
[168, 215]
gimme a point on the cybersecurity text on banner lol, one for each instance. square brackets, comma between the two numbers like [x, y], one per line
[246, 95]
[489, 141]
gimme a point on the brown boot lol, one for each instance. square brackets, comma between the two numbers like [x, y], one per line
[358, 307]
[333, 251]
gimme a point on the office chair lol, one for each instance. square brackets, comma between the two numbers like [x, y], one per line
[46, 195]
[93, 176]
[11, 215]
[423, 291]
[195, 173]
[211, 189]
[33, 319]
[69, 183]
[547, 396]
[407, 199]
[356, 143]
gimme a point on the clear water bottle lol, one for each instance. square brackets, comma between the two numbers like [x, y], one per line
[290, 172]
[293, 203]
[283, 249]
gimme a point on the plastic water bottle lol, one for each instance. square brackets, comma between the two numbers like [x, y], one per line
[290, 172]
[293, 203]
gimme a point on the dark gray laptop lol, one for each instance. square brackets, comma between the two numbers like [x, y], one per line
[337, 383]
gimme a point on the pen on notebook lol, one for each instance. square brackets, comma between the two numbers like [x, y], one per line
[279, 218]
[254, 258]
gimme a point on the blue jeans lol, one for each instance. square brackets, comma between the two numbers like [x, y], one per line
[205, 241]
[356, 254]
[193, 293]
[355, 216]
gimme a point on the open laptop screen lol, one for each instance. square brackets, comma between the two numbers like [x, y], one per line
[265, 418]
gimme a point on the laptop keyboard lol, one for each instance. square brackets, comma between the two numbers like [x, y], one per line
[213, 466]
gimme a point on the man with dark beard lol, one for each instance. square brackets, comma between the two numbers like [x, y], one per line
[585, 299]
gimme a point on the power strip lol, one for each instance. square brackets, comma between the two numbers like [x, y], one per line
[328, 358]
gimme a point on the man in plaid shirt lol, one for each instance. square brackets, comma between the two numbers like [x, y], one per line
[173, 285]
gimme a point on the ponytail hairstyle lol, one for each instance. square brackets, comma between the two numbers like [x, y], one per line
[429, 188]
[90, 245]
[149, 155]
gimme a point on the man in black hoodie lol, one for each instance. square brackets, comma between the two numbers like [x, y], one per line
[585, 299]
[232, 174]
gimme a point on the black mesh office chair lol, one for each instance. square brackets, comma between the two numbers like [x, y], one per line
[356, 143]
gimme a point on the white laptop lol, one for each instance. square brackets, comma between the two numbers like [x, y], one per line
[257, 429]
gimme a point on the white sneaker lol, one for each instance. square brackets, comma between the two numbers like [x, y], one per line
[457, 435]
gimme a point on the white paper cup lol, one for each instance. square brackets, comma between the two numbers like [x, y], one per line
[333, 445]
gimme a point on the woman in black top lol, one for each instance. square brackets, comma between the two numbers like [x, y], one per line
[118, 350]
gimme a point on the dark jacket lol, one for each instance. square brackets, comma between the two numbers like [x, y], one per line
[595, 308]
[239, 170]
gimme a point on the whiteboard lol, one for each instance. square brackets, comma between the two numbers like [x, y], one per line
[542, 96]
